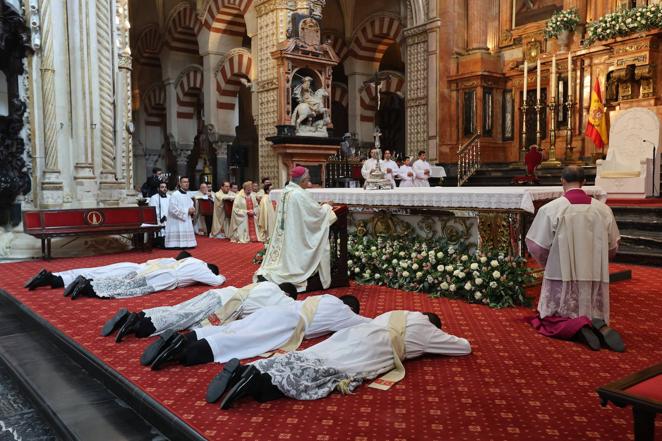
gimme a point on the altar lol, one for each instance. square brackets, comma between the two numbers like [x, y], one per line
[494, 218]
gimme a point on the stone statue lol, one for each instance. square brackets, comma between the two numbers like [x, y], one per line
[310, 117]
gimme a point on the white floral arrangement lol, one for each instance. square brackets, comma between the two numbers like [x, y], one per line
[564, 20]
[623, 23]
[440, 269]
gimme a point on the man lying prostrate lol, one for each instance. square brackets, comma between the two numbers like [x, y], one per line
[209, 308]
[65, 279]
[275, 328]
[342, 362]
[157, 275]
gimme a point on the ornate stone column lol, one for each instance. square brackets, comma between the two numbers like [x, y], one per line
[478, 19]
[123, 118]
[272, 22]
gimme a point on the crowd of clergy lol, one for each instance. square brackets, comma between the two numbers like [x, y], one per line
[572, 237]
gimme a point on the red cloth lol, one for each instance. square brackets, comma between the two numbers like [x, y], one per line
[251, 220]
[577, 196]
[650, 389]
[532, 160]
[564, 328]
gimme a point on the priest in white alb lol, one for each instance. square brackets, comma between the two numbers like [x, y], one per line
[406, 174]
[221, 221]
[279, 328]
[179, 229]
[299, 246]
[245, 211]
[343, 361]
[421, 169]
[160, 202]
[573, 237]
[389, 167]
[266, 220]
[369, 164]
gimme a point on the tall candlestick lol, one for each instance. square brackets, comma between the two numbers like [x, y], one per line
[538, 81]
[569, 75]
[526, 78]
[553, 78]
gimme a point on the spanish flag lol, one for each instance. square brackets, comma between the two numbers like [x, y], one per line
[596, 128]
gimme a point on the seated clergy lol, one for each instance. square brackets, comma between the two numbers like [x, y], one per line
[274, 328]
[160, 203]
[573, 237]
[342, 362]
[65, 279]
[157, 275]
[212, 307]
[221, 221]
[202, 222]
[299, 245]
[245, 211]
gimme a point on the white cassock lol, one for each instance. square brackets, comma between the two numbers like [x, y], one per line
[420, 178]
[299, 246]
[179, 229]
[190, 313]
[270, 328]
[573, 241]
[157, 275]
[161, 205]
[368, 165]
[221, 223]
[243, 227]
[355, 354]
[200, 221]
[385, 165]
[266, 220]
[405, 179]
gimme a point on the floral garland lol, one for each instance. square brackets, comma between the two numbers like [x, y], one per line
[434, 267]
[565, 20]
[623, 23]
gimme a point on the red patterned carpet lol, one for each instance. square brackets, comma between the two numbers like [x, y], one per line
[517, 385]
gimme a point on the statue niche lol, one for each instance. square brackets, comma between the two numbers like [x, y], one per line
[310, 117]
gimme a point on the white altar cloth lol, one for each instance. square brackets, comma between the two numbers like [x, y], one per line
[482, 198]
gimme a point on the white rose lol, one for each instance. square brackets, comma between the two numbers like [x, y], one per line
[440, 268]
[367, 271]
[402, 254]
[474, 266]
[456, 273]
[464, 258]
[413, 255]
[449, 268]
[493, 284]
[496, 274]
[405, 274]
[414, 266]
[357, 270]
[440, 255]
[461, 275]
[468, 286]
[350, 263]
[486, 300]
[364, 260]
[394, 261]
[478, 281]
[431, 253]
[452, 287]
[478, 295]
[373, 248]
[404, 264]
[430, 279]
[494, 263]
[444, 286]
[451, 250]
[377, 276]
[419, 275]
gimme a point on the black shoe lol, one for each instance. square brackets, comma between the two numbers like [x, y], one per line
[171, 352]
[227, 378]
[118, 320]
[245, 386]
[183, 255]
[589, 337]
[129, 326]
[155, 349]
[72, 286]
[609, 338]
[42, 278]
[83, 288]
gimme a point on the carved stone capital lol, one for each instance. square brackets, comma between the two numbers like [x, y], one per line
[264, 7]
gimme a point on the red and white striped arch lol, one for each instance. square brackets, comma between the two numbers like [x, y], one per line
[339, 94]
[238, 64]
[154, 101]
[374, 36]
[189, 89]
[181, 33]
[149, 46]
[338, 44]
[226, 17]
[368, 97]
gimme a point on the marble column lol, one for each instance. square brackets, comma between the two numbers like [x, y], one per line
[478, 18]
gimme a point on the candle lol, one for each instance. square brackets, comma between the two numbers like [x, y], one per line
[553, 78]
[538, 81]
[526, 78]
[569, 75]
[561, 91]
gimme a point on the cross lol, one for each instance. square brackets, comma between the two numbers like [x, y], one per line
[377, 82]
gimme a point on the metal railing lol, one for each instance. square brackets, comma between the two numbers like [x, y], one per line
[468, 159]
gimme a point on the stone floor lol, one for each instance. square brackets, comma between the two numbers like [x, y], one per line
[18, 418]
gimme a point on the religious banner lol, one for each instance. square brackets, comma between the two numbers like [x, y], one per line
[596, 128]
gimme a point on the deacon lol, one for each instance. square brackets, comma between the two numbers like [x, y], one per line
[369, 164]
[209, 308]
[200, 221]
[160, 202]
[342, 362]
[299, 245]
[66, 279]
[179, 229]
[245, 212]
[390, 167]
[421, 169]
[266, 181]
[406, 173]
[157, 275]
[221, 222]
[266, 220]
[275, 328]
[573, 237]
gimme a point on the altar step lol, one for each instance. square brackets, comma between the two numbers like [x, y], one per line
[641, 234]
[502, 174]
